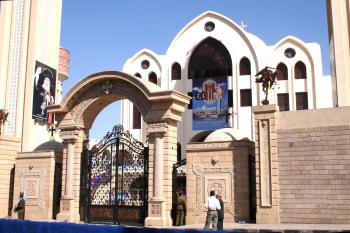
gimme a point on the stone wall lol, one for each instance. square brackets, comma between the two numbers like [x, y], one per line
[8, 152]
[35, 177]
[222, 167]
[314, 166]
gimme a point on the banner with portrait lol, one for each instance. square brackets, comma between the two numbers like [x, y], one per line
[44, 89]
[209, 103]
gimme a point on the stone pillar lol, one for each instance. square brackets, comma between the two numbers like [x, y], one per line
[162, 157]
[68, 212]
[339, 49]
[267, 188]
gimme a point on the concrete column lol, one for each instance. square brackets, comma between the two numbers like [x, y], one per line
[68, 212]
[267, 188]
[338, 31]
[157, 202]
[69, 169]
[158, 167]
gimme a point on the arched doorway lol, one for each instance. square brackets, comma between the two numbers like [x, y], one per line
[160, 110]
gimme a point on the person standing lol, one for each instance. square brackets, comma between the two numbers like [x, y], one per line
[180, 209]
[213, 205]
[21, 206]
[220, 213]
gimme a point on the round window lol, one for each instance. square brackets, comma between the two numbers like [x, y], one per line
[145, 64]
[289, 52]
[209, 26]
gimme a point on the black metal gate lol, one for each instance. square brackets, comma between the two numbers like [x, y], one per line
[252, 188]
[116, 182]
[179, 185]
[12, 182]
[57, 190]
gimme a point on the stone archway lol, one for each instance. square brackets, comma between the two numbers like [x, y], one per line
[160, 109]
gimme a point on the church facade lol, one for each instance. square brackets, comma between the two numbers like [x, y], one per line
[213, 47]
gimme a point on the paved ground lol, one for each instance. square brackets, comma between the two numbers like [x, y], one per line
[287, 228]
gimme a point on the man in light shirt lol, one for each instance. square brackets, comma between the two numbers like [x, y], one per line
[213, 205]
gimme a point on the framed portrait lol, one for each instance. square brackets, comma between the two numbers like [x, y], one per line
[44, 89]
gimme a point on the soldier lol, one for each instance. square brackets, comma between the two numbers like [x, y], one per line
[21, 206]
[220, 213]
[180, 209]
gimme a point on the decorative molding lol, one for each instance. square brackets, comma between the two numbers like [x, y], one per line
[16, 47]
[82, 102]
[155, 209]
[69, 134]
[107, 86]
[197, 169]
[65, 205]
[31, 188]
[157, 128]
[217, 182]
[265, 161]
[217, 145]
[32, 183]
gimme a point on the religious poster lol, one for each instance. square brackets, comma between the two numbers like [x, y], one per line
[44, 87]
[209, 103]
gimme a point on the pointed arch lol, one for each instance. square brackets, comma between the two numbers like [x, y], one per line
[176, 71]
[300, 70]
[210, 59]
[144, 52]
[152, 77]
[210, 15]
[244, 66]
[298, 43]
[282, 72]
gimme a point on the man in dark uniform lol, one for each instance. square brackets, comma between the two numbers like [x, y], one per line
[220, 213]
[20, 207]
[180, 209]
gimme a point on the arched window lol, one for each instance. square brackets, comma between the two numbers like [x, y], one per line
[300, 70]
[176, 71]
[152, 77]
[137, 75]
[210, 59]
[282, 72]
[244, 66]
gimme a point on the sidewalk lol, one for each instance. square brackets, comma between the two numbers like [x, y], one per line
[290, 228]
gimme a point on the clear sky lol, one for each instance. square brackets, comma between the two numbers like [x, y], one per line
[102, 35]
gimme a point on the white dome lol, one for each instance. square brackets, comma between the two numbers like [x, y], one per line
[224, 135]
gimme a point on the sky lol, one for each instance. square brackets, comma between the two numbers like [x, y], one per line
[102, 35]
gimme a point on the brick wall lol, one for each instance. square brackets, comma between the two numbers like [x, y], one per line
[314, 166]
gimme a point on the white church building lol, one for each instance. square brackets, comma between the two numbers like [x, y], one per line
[211, 46]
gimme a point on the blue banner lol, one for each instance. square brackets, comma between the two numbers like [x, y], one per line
[209, 103]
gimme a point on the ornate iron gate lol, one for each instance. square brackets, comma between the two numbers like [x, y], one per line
[117, 180]
[179, 185]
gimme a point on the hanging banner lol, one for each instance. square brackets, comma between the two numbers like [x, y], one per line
[43, 92]
[209, 103]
